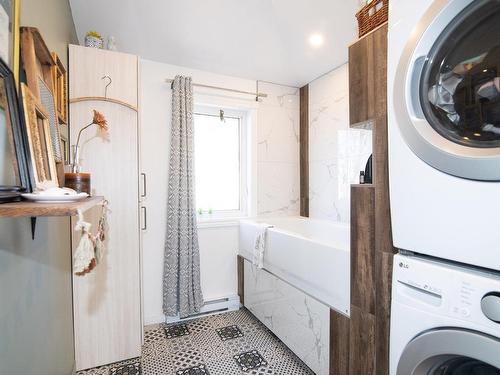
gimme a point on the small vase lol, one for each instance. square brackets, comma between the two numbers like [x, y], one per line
[94, 42]
[111, 43]
[80, 182]
[76, 179]
[75, 159]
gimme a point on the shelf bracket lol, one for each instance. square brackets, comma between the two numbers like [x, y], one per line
[33, 227]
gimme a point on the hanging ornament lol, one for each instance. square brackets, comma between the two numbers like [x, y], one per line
[100, 236]
[84, 258]
[90, 250]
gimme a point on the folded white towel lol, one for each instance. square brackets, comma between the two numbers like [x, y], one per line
[260, 244]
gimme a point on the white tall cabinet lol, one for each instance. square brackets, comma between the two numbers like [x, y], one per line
[107, 301]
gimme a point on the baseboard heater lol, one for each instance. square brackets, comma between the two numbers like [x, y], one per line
[210, 307]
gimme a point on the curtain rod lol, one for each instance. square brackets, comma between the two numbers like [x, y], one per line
[256, 94]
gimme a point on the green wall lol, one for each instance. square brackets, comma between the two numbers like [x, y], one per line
[36, 324]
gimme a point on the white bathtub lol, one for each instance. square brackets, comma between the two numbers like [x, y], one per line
[311, 255]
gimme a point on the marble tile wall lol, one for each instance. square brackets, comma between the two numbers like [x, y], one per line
[298, 320]
[278, 151]
[337, 153]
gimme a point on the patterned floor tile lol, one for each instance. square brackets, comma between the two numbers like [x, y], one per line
[159, 365]
[238, 345]
[102, 370]
[291, 365]
[224, 366]
[200, 325]
[178, 344]
[250, 360]
[229, 332]
[261, 338]
[197, 347]
[275, 352]
[210, 345]
[186, 359]
[195, 370]
[153, 335]
[126, 369]
[263, 371]
[176, 330]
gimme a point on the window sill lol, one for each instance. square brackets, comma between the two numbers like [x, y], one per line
[219, 222]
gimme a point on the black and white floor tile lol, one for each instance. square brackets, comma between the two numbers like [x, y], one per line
[233, 343]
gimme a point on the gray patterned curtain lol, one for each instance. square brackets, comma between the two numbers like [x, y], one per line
[181, 274]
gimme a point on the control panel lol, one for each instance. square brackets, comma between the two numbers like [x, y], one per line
[460, 292]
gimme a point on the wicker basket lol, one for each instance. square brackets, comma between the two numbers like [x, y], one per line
[372, 15]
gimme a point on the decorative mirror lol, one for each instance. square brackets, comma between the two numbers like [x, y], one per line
[41, 152]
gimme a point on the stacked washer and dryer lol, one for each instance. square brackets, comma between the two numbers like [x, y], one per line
[444, 172]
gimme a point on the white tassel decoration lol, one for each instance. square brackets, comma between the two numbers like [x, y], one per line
[83, 260]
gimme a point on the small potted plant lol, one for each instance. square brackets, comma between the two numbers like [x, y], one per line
[76, 179]
[94, 39]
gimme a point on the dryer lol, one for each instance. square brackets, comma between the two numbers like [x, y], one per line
[444, 128]
[445, 319]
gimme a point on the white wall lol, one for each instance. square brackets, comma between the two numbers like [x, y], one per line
[278, 151]
[276, 169]
[336, 153]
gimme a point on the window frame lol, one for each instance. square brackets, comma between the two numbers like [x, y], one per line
[243, 116]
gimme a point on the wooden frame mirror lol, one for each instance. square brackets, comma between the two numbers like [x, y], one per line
[38, 64]
[40, 141]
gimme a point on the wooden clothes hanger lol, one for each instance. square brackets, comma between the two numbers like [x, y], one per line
[103, 98]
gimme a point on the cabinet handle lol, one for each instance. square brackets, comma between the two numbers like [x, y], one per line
[145, 218]
[144, 186]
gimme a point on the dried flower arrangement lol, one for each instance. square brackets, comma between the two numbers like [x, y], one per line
[99, 120]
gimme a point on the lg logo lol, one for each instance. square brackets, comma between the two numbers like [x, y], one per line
[403, 265]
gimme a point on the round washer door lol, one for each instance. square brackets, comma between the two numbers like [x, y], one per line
[447, 89]
[451, 352]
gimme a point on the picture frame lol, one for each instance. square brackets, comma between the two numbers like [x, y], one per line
[38, 64]
[41, 153]
[14, 164]
[65, 149]
[49, 104]
[9, 35]
[59, 80]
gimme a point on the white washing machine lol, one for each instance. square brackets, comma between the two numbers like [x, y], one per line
[444, 128]
[445, 319]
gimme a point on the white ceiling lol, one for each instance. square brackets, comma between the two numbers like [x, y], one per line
[255, 39]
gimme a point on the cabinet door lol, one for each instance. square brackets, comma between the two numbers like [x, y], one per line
[360, 89]
[107, 302]
[367, 76]
[89, 67]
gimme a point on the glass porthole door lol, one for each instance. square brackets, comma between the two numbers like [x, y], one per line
[447, 102]
[449, 351]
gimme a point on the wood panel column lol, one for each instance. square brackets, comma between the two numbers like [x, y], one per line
[371, 237]
[304, 150]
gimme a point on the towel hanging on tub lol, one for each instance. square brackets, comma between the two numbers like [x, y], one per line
[260, 244]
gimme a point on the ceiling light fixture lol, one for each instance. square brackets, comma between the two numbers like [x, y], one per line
[316, 40]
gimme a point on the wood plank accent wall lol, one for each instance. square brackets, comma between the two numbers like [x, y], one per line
[339, 343]
[304, 150]
[371, 236]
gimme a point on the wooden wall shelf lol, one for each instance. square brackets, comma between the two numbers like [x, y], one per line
[36, 209]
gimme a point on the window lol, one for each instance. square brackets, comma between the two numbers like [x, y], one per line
[220, 168]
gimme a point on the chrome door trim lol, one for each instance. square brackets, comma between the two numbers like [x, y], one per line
[426, 350]
[423, 140]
